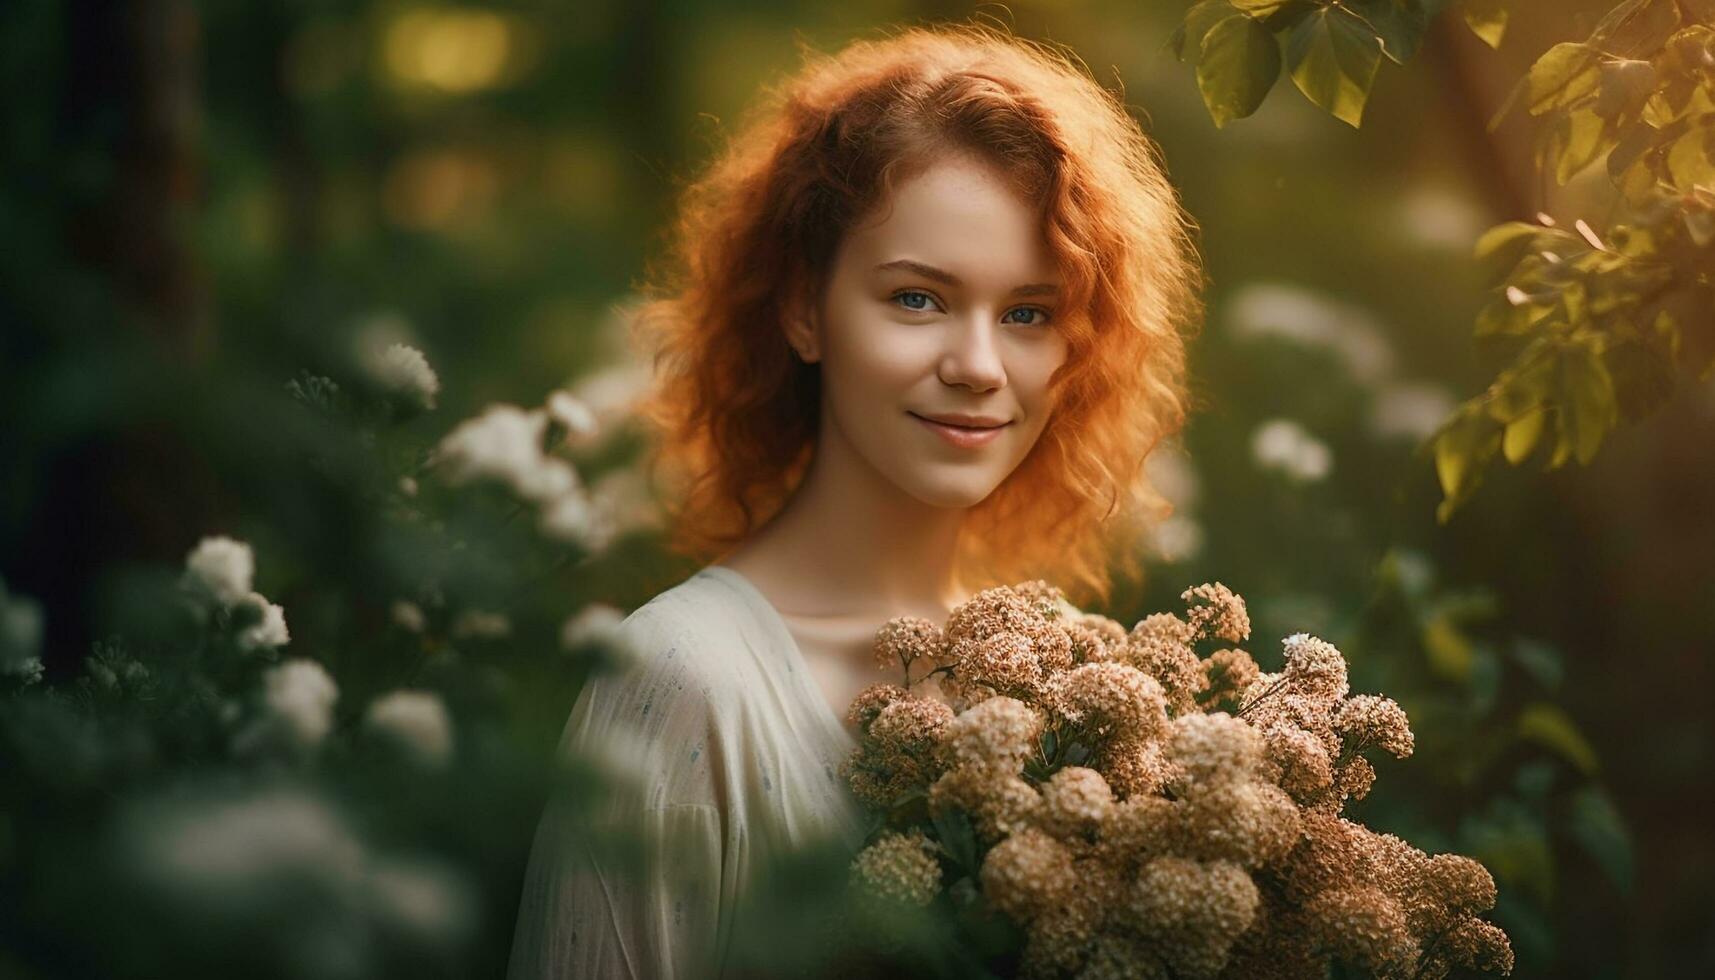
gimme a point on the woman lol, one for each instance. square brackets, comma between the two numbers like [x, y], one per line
[924, 323]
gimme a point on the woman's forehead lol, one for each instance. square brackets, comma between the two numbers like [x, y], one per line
[958, 217]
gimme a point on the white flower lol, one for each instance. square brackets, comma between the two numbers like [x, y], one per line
[415, 721]
[611, 394]
[505, 443]
[1170, 471]
[430, 903]
[1440, 217]
[482, 625]
[596, 623]
[20, 636]
[579, 421]
[1284, 445]
[1410, 410]
[215, 848]
[408, 486]
[1350, 333]
[299, 696]
[409, 616]
[547, 481]
[403, 371]
[270, 632]
[1178, 538]
[221, 568]
[574, 518]
[623, 495]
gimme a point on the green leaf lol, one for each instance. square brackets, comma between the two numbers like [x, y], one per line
[1399, 23]
[1462, 449]
[958, 838]
[1625, 86]
[1700, 225]
[1575, 140]
[1522, 435]
[1589, 406]
[1524, 387]
[1638, 27]
[1635, 141]
[1203, 15]
[1449, 651]
[1542, 662]
[1511, 842]
[1691, 161]
[1549, 726]
[1333, 56]
[1597, 826]
[1565, 74]
[1501, 247]
[1487, 19]
[1239, 64]
[1260, 8]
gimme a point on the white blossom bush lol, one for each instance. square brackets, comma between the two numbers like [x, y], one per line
[303, 758]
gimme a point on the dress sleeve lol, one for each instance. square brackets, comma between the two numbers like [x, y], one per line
[630, 885]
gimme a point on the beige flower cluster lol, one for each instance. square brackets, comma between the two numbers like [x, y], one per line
[1141, 810]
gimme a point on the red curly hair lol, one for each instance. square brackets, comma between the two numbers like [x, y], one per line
[736, 415]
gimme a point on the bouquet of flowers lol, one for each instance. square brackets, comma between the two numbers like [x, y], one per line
[1137, 809]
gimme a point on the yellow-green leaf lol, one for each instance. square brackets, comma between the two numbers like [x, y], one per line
[1333, 56]
[1591, 407]
[1462, 449]
[1399, 23]
[1575, 141]
[1547, 725]
[1203, 15]
[1505, 243]
[1525, 386]
[1487, 19]
[1522, 435]
[1565, 74]
[1689, 160]
[1239, 64]
[1449, 651]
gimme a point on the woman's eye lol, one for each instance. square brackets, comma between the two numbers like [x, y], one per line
[913, 299]
[1040, 315]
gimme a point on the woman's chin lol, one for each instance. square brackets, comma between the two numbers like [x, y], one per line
[951, 494]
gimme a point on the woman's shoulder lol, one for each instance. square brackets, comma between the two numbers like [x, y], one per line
[700, 611]
[695, 632]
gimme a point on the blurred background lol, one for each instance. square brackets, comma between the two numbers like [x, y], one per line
[216, 214]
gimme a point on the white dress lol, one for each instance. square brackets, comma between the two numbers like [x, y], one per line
[738, 755]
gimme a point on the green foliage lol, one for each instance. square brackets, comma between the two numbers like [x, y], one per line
[196, 728]
[1501, 764]
[1239, 65]
[1333, 55]
[1332, 50]
[1605, 323]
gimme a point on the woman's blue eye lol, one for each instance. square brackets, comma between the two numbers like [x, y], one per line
[917, 301]
[912, 294]
[1041, 315]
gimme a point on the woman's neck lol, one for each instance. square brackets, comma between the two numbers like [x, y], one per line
[850, 545]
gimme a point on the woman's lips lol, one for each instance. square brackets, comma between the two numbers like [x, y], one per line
[962, 436]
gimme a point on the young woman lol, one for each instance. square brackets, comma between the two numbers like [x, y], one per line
[924, 322]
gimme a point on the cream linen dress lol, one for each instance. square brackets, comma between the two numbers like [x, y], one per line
[738, 753]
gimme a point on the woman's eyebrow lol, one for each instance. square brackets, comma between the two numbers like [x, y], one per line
[948, 279]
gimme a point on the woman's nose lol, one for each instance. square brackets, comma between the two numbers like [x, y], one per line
[971, 357]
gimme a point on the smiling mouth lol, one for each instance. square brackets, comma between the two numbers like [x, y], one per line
[962, 436]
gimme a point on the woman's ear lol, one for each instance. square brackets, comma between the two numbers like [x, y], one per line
[800, 327]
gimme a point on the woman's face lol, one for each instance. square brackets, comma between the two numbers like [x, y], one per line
[941, 303]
